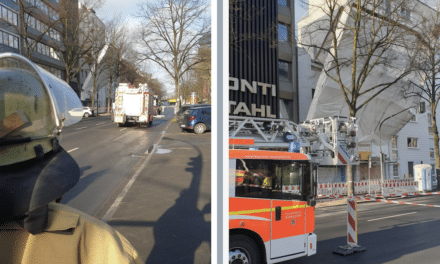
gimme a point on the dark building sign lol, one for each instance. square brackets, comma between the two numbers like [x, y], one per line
[253, 58]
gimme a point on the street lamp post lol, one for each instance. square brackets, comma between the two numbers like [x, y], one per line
[380, 145]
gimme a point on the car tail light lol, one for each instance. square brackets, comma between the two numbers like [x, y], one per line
[191, 118]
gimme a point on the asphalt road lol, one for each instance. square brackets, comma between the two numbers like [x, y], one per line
[106, 154]
[391, 233]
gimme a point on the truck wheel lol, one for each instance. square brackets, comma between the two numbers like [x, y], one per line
[120, 124]
[243, 250]
[199, 128]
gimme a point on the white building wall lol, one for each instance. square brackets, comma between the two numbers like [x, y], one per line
[305, 83]
[419, 130]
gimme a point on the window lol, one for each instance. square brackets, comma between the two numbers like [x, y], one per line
[430, 131]
[394, 154]
[284, 3]
[394, 142]
[283, 32]
[410, 169]
[429, 117]
[4, 13]
[273, 179]
[431, 153]
[285, 70]
[413, 118]
[14, 19]
[15, 42]
[412, 142]
[395, 170]
[8, 15]
[8, 40]
[422, 107]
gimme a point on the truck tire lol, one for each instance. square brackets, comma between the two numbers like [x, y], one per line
[120, 124]
[199, 128]
[243, 250]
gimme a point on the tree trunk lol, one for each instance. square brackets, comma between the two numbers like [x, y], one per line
[176, 84]
[109, 93]
[93, 94]
[436, 139]
[351, 169]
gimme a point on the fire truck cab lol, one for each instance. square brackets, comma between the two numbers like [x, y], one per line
[271, 206]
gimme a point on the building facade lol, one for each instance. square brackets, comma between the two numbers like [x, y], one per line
[29, 26]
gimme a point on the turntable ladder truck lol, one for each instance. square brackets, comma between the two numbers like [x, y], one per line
[273, 172]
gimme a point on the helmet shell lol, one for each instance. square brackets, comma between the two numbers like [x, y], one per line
[33, 104]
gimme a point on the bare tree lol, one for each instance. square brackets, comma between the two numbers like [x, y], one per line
[171, 33]
[119, 45]
[35, 24]
[355, 40]
[427, 62]
[79, 33]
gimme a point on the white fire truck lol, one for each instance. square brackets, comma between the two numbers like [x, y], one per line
[273, 172]
[133, 105]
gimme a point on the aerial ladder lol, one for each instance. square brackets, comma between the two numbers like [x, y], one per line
[328, 141]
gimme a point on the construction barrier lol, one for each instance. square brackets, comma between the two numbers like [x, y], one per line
[391, 188]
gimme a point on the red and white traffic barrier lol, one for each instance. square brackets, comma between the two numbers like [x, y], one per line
[352, 221]
[352, 238]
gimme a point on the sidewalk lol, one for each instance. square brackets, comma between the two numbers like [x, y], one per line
[166, 214]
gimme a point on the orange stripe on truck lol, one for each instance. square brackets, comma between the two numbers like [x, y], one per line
[241, 141]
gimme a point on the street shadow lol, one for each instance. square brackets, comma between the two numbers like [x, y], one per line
[183, 222]
[180, 231]
[391, 243]
[82, 184]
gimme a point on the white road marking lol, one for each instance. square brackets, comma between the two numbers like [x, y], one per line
[100, 123]
[121, 196]
[390, 217]
[80, 128]
[123, 129]
[72, 150]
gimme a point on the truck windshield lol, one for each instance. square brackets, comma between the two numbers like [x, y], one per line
[273, 179]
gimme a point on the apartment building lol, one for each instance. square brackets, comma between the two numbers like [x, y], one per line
[35, 29]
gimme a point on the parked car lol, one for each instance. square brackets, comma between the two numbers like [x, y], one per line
[182, 109]
[87, 111]
[197, 119]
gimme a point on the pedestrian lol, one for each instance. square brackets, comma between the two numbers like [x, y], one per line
[159, 109]
[35, 171]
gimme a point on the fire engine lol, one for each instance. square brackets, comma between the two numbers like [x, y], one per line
[133, 105]
[273, 173]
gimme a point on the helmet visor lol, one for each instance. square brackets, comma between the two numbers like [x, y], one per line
[66, 104]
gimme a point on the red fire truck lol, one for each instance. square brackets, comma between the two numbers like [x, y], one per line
[272, 187]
